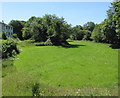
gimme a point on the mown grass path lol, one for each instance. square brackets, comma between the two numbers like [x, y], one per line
[91, 65]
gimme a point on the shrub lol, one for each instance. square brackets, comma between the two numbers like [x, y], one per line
[9, 49]
[4, 36]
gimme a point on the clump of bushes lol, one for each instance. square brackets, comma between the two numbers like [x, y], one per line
[9, 49]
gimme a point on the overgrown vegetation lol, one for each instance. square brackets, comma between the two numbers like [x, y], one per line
[109, 30]
[9, 48]
[17, 27]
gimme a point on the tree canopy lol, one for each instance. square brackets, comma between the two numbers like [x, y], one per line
[52, 29]
[109, 30]
[17, 27]
[89, 26]
[47, 27]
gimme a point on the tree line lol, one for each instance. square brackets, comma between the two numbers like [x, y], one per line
[55, 30]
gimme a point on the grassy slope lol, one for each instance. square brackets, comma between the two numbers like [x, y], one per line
[91, 65]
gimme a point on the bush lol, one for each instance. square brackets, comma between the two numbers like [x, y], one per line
[9, 49]
[4, 36]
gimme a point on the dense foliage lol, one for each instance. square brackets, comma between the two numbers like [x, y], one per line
[27, 28]
[89, 26]
[82, 33]
[17, 27]
[48, 27]
[97, 34]
[109, 30]
[77, 33]
[9, 48]
[54, 30]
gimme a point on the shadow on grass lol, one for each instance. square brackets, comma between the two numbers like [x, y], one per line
[115, 46]
[64, 46]
[39, 45]
[71, 46]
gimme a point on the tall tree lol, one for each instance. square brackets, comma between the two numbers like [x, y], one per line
[77, 33]
[116, 18]
[27, 28]
[109, 30]
[97, 35]
[17, 27]
[38, 30]
[89, 26]
[111, 25]
[57, 28]
[48, 27]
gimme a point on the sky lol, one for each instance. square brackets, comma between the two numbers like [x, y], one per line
[75, 13]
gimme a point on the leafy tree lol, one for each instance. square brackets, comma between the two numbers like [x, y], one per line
[17, 27]
[97, 35]
[79, 27]
[23, 23]
[38, 30]
[87, 35]
[111, 25]
[57, 29]
[77, 33]
[26, 30]
[48, 27]
[89, 26]
[109, 30]
[116, 18]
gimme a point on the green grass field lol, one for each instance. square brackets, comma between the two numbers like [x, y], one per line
[88, 68]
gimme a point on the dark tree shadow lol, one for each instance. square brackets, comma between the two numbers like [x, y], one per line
[115, 46]
[64, 46]
[39, 45]
[71, 46]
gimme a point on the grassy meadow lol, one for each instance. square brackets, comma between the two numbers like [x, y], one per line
[85, 68]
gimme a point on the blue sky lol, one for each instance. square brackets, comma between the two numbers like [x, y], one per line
[75, 13]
